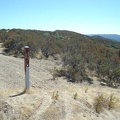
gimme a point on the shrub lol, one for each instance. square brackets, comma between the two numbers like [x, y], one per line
[55, 73]
[55, 95]
[86, 90]
[112, 101]
[75, 96]
[102, 101]
[99, 103]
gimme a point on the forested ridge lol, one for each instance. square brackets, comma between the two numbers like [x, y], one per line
[78, 52]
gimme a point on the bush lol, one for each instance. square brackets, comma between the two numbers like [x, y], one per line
[55, 95]
[55, 72]
[75, 96]
[112, 101]
[102, 101]
[99, 103]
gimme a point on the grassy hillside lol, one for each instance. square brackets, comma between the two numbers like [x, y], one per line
[78, 52]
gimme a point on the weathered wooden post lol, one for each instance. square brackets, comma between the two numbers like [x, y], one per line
[26, 64]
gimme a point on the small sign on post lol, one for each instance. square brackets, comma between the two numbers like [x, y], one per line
[26, 65]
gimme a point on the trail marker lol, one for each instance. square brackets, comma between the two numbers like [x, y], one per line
[26, 65]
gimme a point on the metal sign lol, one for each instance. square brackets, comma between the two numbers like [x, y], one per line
[26, 65]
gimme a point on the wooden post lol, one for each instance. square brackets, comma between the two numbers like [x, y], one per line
[26, 65]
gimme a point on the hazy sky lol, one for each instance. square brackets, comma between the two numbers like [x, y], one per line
[83, 16]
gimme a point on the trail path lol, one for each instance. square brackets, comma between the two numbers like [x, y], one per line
[46, 102]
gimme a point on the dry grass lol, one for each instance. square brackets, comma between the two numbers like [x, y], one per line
[112, 101]
[26, 110]
[1, 93]
[55, 95]
[101, 101]
[75, 96]
[86, 90]
[54, 72]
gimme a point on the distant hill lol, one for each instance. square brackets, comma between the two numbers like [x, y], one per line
[106, 41]
[109, 36]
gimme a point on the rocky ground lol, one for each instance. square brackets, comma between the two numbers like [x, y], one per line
[48, 99]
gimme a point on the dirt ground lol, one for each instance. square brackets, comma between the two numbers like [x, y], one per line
[48, 99]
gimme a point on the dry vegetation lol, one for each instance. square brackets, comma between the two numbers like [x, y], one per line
[102, 101]
[61, 89]
[78, 52]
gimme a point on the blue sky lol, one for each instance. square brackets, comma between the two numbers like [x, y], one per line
[83, 16]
